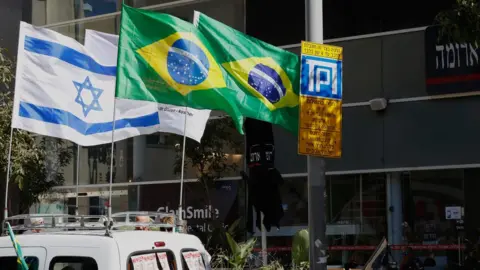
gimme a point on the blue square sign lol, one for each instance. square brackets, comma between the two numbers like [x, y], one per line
[321, 77]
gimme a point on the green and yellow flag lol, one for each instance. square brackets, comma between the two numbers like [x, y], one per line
[167, 60]
[22, 264]
[267, 75]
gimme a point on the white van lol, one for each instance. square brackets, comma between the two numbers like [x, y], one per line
[89, 246]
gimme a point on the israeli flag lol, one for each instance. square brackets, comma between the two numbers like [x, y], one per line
[64, 91]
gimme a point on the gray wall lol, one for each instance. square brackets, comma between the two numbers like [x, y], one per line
[406, 134]
[11, 12]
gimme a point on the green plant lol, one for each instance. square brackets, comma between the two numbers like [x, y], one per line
[274, 265]
[238, 256]
[302, 266]
[461, 23]
[300, 247]
[7, 66]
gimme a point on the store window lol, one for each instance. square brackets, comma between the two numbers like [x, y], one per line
[355, 212]
[294, 196]
[94, 164]
[356, 216]
[91, 200]
[433, 204]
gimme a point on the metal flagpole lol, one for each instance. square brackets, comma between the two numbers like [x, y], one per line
[183, 165]
[111, 162]
[316, 165]
[78, 179]
[7, 180]
[264, 242]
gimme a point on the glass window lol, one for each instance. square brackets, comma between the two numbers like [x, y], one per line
[68, 263]
[91, 201]
[157, 140]
[427, 196]
[11, 263]
[355, 212]
[192, 259]
[55, 11]
[356, 208]
[95, 167]
[165, 149]
[162, 259]
[295, 202]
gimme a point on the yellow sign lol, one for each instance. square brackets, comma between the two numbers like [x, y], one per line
[320, 125]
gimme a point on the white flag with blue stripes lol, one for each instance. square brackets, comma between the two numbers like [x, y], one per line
[64, 91]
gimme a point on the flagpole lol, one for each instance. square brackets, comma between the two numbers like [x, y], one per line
[7, 180]
[78, 179]
[183, 165]
[111, 163]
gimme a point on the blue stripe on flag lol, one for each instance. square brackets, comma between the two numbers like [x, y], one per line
[61, 117]
[68, 55]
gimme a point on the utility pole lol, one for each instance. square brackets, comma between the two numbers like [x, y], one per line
[315, 165]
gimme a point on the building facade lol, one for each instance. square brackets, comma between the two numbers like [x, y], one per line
[403, 172]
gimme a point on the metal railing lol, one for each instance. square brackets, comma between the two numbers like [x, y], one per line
[118, 221]
[54, 222]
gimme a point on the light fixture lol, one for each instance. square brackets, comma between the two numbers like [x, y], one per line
[378, 104]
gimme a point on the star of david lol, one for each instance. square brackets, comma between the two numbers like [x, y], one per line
[96, 93]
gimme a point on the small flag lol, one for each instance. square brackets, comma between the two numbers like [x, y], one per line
[104, 47]
[18, 250]
[63, 91]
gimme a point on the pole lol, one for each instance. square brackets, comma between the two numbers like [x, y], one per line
[183, 165]
[77, 177]
[316, 166]
[264, 243]
[111, 163]
[7, 180]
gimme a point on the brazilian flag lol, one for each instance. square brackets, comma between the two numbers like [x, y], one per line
[209, 65]
[22, 264]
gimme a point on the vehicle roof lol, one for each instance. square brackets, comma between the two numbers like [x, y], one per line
[127, 241]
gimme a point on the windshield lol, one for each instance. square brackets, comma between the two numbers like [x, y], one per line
[10, 263]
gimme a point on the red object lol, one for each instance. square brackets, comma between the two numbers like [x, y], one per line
[453, 79]
[393, 247]
[159, 244]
